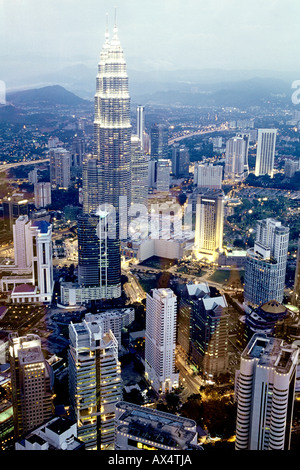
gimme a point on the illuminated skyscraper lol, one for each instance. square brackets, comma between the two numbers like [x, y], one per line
[107, 176]
[209, 224]
[265, 155]
[94, 382]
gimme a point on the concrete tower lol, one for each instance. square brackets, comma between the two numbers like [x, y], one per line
[265, 390]
[160, 340]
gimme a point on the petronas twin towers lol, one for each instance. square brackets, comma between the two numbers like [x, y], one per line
[106, 176]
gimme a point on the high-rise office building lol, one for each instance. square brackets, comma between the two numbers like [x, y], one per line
[60, 163]
[296, 291]
[112, 150]
[191, 294]
[31, 383]
[180, 161]
[163, 175]
[159, 141]
[209, 225]
[265, 267]
[160, 340]
[207, 175]
[88, 250]
[209, 325]
[140, 124]
[94, 383]
[267, 318]
[22, 243]
[78, 150]
[139, 172]
[236, 158]
[42, 194]
[264, 164]
[90, 187]
[13, 207]
[265, 391]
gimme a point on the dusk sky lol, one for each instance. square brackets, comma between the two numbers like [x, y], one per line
[155, 34]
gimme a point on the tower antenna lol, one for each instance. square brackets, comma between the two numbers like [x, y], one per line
[106, 31]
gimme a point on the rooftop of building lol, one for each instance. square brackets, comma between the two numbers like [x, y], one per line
[210, 303]
[271, 352]
[26, 288]
[60, 425]
[31, 355]
[273, 306]
[157, 427]
[42, 225]
[198, 290]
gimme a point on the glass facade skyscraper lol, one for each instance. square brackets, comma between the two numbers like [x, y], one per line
[109, 171]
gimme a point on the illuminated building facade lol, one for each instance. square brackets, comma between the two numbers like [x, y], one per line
[209, 225]
[265, 391]
[94, 383]
[107, 176]
[31, 383]
[160, 340]
[209, 335]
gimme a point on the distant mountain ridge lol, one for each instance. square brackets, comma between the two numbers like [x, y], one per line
[49, 95]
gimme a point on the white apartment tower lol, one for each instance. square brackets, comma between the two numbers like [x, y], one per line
[94, 382]
[265, 390]
[42, 264]
[236, 158]
[207, 175]
[33, 256]
[265, 154]
[160, 340]
[21, 239]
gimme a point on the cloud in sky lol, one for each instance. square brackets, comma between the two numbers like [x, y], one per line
[230, 34]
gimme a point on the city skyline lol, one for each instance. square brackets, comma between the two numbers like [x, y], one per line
[149, 255]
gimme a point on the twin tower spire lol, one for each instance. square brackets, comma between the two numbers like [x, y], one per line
[115, 30]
